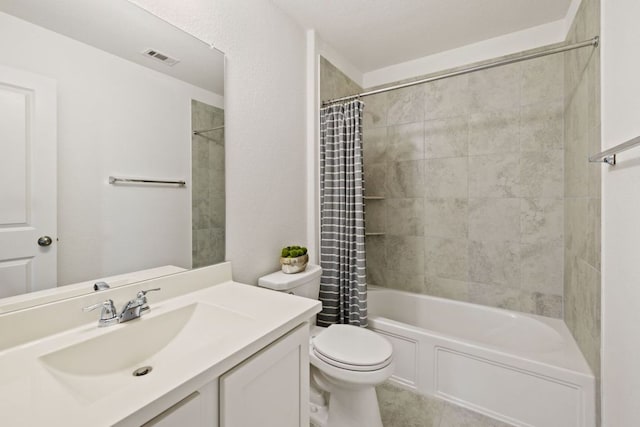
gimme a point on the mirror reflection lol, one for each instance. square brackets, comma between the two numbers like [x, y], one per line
[92, 90]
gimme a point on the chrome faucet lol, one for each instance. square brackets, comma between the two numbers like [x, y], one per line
[131, 310]
[136, 307]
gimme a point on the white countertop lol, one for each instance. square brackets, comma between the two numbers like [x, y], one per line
[31, 396]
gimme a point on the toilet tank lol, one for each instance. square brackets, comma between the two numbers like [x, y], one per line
[304, 284]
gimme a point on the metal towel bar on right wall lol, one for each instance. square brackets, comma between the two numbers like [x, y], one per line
[609, 156]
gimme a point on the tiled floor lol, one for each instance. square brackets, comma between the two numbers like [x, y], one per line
[402, 408]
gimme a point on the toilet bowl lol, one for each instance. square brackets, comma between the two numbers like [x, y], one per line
[347, 362]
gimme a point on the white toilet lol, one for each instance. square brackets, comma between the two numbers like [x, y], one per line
[347, 362]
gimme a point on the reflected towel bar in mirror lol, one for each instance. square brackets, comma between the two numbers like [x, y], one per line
[199, 132]
[114, 180]
[609, 156]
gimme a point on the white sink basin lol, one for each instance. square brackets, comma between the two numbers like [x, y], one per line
[93, 368]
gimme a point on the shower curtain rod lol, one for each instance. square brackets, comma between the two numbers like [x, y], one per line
[524, 57]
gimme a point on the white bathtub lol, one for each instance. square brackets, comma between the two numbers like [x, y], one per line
[522, 369]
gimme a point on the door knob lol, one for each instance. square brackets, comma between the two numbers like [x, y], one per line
[45, 241]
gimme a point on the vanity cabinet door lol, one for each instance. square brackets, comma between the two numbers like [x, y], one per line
[270, 389]
[199, 409]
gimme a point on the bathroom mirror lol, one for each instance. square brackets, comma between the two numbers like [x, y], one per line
[93, 93]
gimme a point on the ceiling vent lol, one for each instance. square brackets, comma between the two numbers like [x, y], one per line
[158, 56]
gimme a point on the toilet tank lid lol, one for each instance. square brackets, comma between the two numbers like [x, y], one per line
[280, 281]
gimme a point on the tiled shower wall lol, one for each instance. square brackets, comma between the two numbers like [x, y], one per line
[582, 188]
[208, 188]
[471, 172]
[334, 83]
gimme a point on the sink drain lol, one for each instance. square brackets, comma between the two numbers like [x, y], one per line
[142, 371]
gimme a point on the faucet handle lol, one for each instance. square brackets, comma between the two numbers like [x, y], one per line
[108, 314]
[141, 295]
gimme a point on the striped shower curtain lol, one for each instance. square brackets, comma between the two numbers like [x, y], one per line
[343, 289]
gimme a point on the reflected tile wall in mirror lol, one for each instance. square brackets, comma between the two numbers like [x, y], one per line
[208, 188]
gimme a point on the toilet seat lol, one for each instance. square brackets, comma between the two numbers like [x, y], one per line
[352, 348]
[350, 367]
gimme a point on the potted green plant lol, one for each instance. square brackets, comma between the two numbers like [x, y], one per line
[294, 259]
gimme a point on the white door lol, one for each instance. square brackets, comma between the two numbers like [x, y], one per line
[28, 142]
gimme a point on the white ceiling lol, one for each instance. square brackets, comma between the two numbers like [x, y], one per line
[373, 34]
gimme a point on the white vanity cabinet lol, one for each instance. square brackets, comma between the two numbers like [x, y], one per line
[199, 409]
[271, 388]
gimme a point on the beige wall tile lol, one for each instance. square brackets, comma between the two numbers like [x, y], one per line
[495, 89]
[543, 80]
[375, 215]
[542, 174]
[494, 132]
[496, 175]
[405, 179]
[448, 137]
[587, 322]
[542, 126]
[445, 217]
[593, 235]
[576, 229]
[582, 282]
[445, 177]
[405, 142]
[495, 296]
[495, 262]
[374, 145]
[447, 98]
[542, 268]
[375, 110]
[217, 235]
[446, 258]
[334, 83]
[594, 170]
[405, 254]
[577, 110]
[405, 105]
[576, 175]
[217, 206]
[570, 289]
[541, 304]
[409, 281]
[201, 214]
[405, 217]
[375, 177]
[541, 220]
[494, 219]
[447, 288]
[376, 260]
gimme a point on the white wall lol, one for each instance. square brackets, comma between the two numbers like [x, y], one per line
[114, 118]
[265, 125]
[620, 214]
